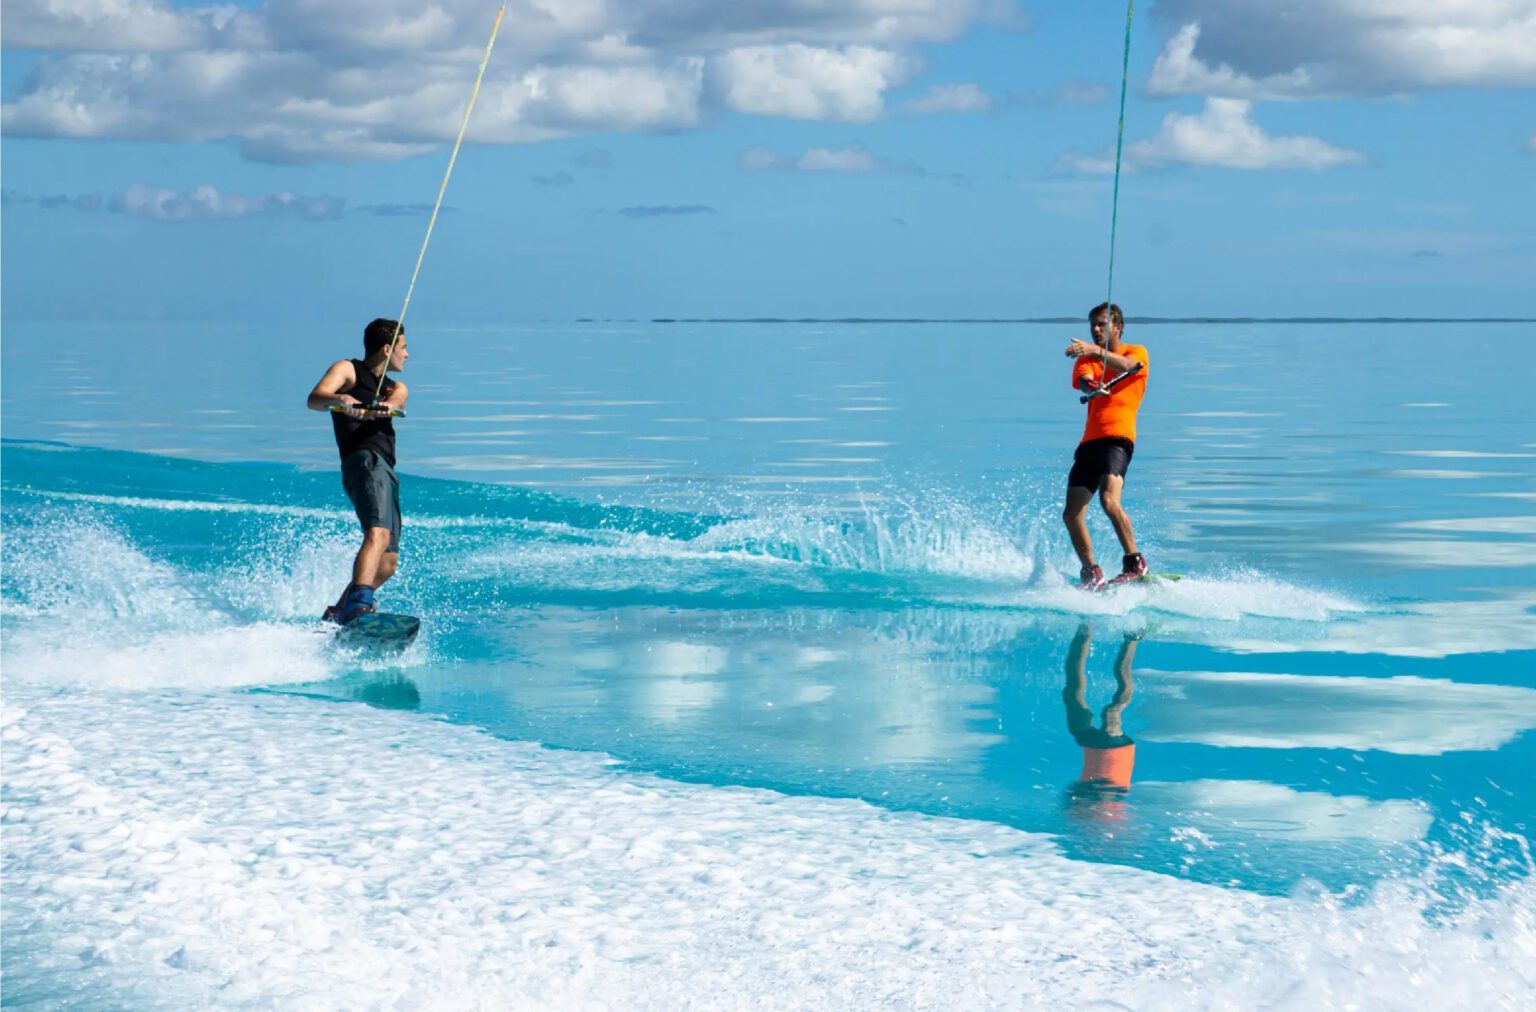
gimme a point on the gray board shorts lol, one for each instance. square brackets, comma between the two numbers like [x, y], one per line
[375, 492]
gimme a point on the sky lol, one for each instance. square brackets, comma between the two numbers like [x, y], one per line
[275, 161]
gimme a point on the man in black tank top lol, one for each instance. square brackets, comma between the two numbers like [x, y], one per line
[365, 438]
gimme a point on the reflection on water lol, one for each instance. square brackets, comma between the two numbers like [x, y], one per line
[1109, 754]
[1251, 778]
[1402, 714]
[826, 598]
[391, 691]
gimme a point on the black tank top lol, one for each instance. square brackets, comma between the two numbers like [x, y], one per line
[376, 434]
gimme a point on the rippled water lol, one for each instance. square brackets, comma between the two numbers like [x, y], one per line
[828, 560]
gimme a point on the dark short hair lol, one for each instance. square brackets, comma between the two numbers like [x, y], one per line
[380, 334]
[1115, 316]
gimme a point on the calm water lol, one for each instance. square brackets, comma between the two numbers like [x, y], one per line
[828, 560]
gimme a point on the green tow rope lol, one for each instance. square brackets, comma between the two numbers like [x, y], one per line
[1114, 214]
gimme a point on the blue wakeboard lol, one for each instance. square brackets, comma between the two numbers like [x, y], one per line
[380, 627]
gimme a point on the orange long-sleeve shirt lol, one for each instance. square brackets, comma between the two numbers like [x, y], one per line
[1114, 414]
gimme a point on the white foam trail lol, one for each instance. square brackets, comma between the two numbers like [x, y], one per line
[194, 851]
[263, 509]
[262, 654]
[94, 610]
[945, 545]
[1227, 598]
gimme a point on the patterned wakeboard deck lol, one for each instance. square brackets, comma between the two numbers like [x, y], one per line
[380, 627]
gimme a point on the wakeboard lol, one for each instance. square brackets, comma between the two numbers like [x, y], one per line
[380, 627]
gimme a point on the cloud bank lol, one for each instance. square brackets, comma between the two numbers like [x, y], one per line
[1258, 49]
[342, 80]
[203, 203]
[849, 158]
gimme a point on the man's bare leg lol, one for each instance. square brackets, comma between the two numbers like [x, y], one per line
[1109, 498]
[374, 562]
[1075, 516]
[387, 563]
[365, 568]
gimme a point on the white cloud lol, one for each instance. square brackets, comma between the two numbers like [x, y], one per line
[850, 158]
[1223, 134]
[738, 23]
[294, 108]
[204, 203]
[806, 82]
[340, 80]
[761, 159]
[627, 98]
[853, 158]
[952, 98]
[124, 26]
[207, 204]
[1308, 48]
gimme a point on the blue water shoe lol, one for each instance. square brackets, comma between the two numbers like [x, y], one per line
[359, 601]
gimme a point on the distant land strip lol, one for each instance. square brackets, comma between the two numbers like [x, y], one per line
[1071, 319]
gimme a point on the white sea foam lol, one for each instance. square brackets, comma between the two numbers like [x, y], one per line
[1222, 598]
[803, 553]
[944, 541]
[188, 851]
[87, 607]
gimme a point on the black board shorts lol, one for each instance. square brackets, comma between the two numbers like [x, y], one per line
[374, 489]
[1097, 459]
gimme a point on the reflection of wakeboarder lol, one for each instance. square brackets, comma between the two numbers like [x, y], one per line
[1108, 753]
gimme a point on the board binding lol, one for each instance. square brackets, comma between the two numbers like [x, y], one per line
[1109, 585]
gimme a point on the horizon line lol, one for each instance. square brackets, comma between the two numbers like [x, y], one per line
[1064, 319]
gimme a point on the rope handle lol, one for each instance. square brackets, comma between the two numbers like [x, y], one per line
[341, 409]
[1109, 387]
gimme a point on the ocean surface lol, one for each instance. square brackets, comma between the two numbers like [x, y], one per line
[752, 674]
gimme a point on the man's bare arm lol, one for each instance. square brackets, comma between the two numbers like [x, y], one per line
[396, 398]
[328, 392]
[1089, 350]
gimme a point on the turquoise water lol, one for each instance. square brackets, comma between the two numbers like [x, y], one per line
[827, 560]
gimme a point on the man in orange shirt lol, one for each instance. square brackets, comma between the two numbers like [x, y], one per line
[1109, 440]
